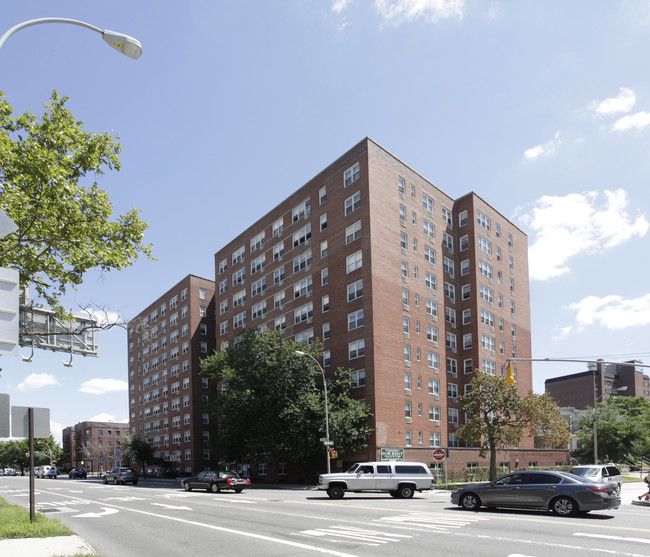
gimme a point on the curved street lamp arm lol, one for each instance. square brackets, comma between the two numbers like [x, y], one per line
[123, 43]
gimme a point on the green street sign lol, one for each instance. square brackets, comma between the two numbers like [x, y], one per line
[391, 454]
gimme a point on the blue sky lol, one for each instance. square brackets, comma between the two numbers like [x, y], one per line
[541, 107]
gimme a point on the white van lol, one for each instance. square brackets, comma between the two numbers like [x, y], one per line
[46, 472]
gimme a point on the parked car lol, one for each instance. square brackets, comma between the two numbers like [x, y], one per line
[562, 493]
[216, 481]
[120, 475]
[399, 479]
[607, 473]
[77, 473]
[46, 472]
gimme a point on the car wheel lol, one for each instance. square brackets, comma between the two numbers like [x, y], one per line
[470, 502]
[393, 493]
[405, 491]
[617, 489]
[105, 480]
[336, 492]
[564, 506]
[214, 488]
[115, 481]
[239, 489]
[187, 486]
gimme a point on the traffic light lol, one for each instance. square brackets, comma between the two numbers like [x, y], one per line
[334, 454]
[510, 376]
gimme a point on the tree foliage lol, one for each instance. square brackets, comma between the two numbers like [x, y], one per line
[623, 428]
[64, 225]
[139, 449]
[15, 453]
[272, 401]
[497, 415]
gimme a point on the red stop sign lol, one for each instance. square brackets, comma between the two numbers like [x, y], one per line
[439, 454]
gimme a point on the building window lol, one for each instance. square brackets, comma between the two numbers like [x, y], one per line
[358, 379]
[429, 229]
[277, 227]
[355, 320]
[353, 232]
[354, 261]
[356, 349]
[355, 290]
[427, 203]
[301, 211]
[351, 175]
[352, 203]
[323, 221]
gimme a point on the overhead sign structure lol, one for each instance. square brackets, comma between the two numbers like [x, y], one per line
[9, 318]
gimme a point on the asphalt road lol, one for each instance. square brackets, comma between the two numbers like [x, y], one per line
[161, 519]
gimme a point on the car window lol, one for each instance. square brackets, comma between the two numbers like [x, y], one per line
[383, 469]
[613, 471]
[512, 479]
[586, 472]
[534, 478]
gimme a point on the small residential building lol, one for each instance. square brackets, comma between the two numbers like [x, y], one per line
[95, 446]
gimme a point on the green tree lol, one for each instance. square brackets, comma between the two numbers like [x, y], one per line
[139, 449]
[272, 401]
[64, 226]
[48, 447]
[498, 415]
[623, 428]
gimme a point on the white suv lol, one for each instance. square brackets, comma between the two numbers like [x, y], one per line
[400, 479]
[602, 473]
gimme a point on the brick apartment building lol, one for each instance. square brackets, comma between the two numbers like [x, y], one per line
[411, 289]
[96, 446]
[582, 390]
[166, 394]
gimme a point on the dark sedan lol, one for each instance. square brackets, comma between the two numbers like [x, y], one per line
[215, 481]
[560, 492]
[77, 473]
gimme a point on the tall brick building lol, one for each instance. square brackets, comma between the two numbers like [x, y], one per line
[166, 395]
[409, 288]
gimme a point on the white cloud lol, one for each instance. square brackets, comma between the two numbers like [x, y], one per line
[544, 150]
[37, 381]
[613, 105]
[56, 430]
[396, 12]
[638, 120]
[611, 312]
[577, 223]
[106, 418]
[102, 386]
[339, 5]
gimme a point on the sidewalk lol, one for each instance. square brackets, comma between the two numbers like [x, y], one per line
[45, 547]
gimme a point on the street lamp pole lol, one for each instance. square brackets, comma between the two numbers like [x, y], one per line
[596, 400]
[327, 420]
[119, 41]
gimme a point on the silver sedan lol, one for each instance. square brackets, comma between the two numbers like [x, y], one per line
[560, 492]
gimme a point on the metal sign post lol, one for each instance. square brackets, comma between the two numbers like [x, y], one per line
[32, 502]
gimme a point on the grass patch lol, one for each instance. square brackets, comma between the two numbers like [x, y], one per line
[15, 523]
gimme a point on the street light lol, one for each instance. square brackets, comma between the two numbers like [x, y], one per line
[123, 43]
[596, 400]
[327, 420]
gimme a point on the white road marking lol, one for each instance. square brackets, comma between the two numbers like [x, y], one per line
[172, 507]
[617, 538]
[359, 535]
[106, 512]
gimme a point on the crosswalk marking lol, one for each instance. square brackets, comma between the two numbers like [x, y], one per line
[359, 535]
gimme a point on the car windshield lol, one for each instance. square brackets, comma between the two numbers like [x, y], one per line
[352, 469]
[586, 472]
